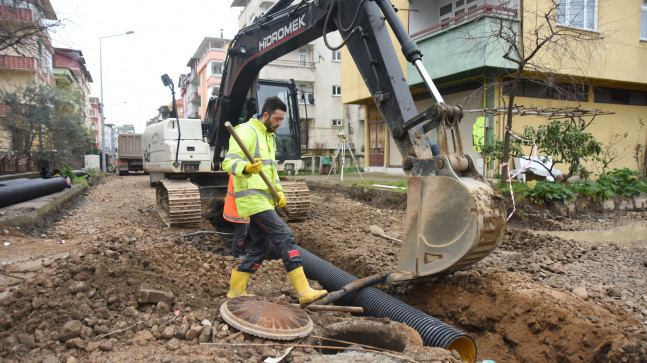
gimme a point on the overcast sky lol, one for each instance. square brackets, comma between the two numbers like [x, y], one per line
[167, 34]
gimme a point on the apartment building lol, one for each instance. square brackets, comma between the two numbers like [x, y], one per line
[206, 74]
[471, 71]
[69, 68]
[316, 70]
[95, 120]
[29, 59]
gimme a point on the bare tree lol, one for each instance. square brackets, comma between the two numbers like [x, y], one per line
[540, 54]
[25, 26]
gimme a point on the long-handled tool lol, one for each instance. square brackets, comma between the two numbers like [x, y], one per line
[251, 158]
[377, 231]
[348, 288]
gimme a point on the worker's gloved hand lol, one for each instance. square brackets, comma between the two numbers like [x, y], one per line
[282, 201]
[255, 167]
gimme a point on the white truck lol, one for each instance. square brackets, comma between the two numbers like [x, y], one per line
[130, 153]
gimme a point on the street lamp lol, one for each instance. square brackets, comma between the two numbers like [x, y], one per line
[103, 118]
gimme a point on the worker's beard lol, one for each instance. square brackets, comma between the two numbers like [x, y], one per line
[269, 126]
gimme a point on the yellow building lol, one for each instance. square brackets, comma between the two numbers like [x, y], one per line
[600, 52]
[32, 57]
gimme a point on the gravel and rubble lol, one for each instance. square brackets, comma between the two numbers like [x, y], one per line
[125, 287]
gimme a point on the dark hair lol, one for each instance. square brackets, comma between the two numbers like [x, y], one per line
[272, 104]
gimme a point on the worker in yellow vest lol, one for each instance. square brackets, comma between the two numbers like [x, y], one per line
[478, 133]
[254, 199]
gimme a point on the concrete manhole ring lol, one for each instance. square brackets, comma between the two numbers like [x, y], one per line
[266, 317]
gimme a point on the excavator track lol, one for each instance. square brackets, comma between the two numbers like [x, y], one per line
[178, 203]
[297, 196]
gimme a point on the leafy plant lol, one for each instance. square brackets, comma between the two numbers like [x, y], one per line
[67, 171]
[624, 182]
[546, 191]
[566, 143]
[46, 121]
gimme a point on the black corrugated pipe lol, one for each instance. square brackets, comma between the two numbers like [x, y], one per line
[79, 173]
[379, 304]
[12, 193]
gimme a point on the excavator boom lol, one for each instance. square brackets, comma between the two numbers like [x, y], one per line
[454, 217]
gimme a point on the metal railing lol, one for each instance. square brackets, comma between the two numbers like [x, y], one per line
[486, 9]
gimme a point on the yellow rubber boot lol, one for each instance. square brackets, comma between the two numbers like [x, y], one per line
[238, 284]
[305, 292]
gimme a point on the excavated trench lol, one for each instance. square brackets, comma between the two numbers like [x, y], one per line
[518, 303]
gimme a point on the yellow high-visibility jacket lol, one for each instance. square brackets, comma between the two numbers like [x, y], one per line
[252, 195]
[478, 133]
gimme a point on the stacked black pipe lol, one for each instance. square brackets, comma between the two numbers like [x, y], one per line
[379, 304]
[20, 190]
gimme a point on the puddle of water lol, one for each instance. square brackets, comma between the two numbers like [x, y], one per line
[628, 233]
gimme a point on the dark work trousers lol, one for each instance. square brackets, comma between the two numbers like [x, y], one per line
[237, 244]
[267, 229]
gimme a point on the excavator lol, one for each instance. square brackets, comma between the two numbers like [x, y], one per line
[454, 218]
[180, 162]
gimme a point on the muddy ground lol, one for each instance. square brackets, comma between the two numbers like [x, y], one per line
[81, 289]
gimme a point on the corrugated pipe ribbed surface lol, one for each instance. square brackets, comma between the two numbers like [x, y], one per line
[379, 304]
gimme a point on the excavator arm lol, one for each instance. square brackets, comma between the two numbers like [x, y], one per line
[454, 218]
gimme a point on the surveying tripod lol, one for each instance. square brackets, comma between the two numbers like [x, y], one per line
[341, 150]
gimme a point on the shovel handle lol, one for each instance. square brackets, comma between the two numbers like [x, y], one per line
[251, 158]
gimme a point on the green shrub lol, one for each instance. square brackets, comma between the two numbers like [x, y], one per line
[75, 179]
[624, 182]
[545, 191]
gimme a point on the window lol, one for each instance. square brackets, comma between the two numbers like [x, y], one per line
[303, 57]
[337, 123]
[336, 54]
[643, 25]
[555, 91]
[215, 68]
[445, 12]
[580, 14]
[620, 96]
[336, 90]
[212, 91]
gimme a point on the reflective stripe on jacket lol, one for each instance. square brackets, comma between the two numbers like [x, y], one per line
[231, 213]
[252, 195]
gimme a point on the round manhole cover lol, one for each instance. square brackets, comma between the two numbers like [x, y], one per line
[266, 317]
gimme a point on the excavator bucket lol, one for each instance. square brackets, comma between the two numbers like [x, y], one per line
[451, 223]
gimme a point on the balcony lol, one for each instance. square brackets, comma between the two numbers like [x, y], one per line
[193, 97]
[459, 44]
[485, 9]
[194, 78]
[17, 14]
[25, 63]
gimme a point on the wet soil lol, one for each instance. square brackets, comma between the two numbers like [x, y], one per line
[110, 282]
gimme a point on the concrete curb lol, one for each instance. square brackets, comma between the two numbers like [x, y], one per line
[398, 200]
[583, 204]
[395, 200]
[35, 212]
